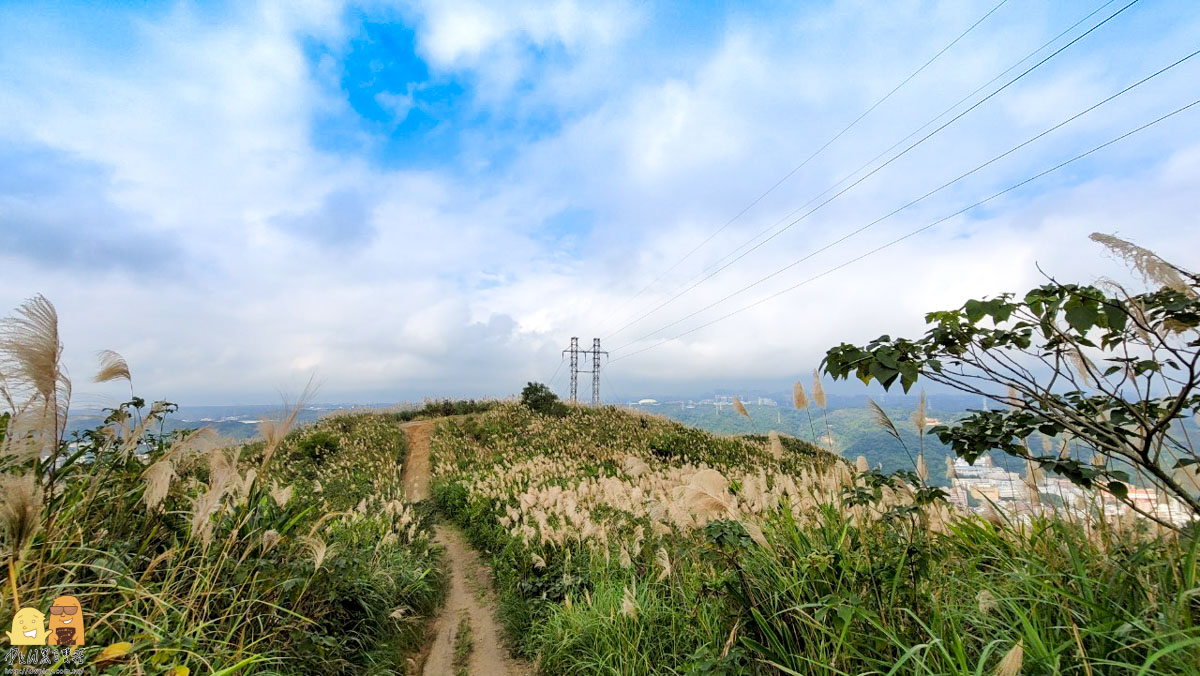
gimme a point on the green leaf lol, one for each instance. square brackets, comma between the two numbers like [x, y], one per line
[974, 310]
[1082, 315]
[1118, 489]
[1116, 315]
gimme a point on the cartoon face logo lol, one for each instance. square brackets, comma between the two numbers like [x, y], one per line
[28, 628]
[66, 622]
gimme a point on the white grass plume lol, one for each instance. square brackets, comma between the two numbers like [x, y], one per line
[799, 398]
[740, 408]
[818, 390]
[918, 417]
[317, 548]
[1010, 665]
[20, 512]
[158, 477]
[664, 563]
[32, 381]
[629, 605]
[882, 419]
[112, 367]
[1152, 268]
[775, 444]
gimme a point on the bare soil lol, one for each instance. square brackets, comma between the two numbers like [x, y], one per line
[470, 593]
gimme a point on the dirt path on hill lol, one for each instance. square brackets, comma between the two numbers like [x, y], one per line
[416, 468]
[470, 601]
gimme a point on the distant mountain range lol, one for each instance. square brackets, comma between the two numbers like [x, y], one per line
[237, 422]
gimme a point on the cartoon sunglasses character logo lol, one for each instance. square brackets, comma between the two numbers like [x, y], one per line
[66, 624]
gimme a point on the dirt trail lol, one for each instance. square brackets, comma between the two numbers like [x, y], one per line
[470, 594]
[416, 469]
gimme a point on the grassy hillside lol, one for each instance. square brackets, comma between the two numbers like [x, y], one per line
[854, 431]
[292, 555]
[628, 544]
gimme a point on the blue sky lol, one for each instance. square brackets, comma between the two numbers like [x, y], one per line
[415, 198]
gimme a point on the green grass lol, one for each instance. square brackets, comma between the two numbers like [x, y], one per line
[829, 588]
[463, 645]
[237, 588]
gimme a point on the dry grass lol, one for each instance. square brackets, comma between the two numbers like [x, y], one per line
[740, 407]
[1153, 269]
[112, 367]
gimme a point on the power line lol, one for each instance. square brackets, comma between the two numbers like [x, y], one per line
[877, 169]
[821, 149]
[612, 388]
[917, 200]
[557, 369]
[915, 232]
[895, 145]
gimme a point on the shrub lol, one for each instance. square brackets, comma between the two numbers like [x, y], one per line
[541, 399]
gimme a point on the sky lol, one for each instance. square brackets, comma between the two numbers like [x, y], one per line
[414, 199]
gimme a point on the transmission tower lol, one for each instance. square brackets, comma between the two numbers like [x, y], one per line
[596, 352]
[574, 351]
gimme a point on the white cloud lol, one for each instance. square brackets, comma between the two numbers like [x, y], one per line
[446, 280]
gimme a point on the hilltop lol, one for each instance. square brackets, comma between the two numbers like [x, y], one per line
[624, 543]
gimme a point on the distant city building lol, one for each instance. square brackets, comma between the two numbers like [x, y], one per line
[985, 486]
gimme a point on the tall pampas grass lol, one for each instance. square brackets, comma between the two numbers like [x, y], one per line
[740, 408]
[1152, 268]
[663, 560]
[317, 548]
[629, 605]
[32, 381]
[819, 397]
[112, 367]
[273, 431]
[884, 421]
[775, 444]
[1010, 665]
[800, 400]
[158, 477]
[20, 521]
[920, 421]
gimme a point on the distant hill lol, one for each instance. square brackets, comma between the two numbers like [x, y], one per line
[853, 429]
[237, 422]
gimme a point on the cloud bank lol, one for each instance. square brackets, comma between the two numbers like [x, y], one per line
[430, 198]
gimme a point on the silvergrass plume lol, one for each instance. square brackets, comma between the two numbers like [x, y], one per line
[32, 381]
[274, 431]
[112, 367]
[918, 417]
[629, 607]
[1148, 264]
[1081, 364]
[20, 512]
[740, 408]
[882, 420]
[664, 563]
[799, 398]
[1011, 664]
[986, 601]
[818, 390]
